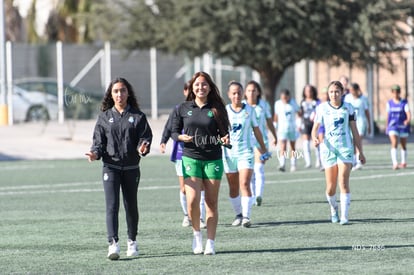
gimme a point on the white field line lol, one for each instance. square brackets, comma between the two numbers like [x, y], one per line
[50, 188]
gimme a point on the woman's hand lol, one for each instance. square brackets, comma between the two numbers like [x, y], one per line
[143, 149]
[162, 148]
[185, 138]
[91, 156]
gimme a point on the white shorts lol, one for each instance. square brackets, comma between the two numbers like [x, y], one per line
[234, 164]
[398, 133]
[179, 167]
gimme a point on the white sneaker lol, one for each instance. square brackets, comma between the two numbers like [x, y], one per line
[237, 220]
[197, 243]
[209, 248]
[186, 221]
[113, 251]
[293, 168]
[202, 224]
[132, 250]
[246, 222]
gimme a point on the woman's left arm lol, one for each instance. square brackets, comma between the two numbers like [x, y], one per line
[357, 140]
[145, 136]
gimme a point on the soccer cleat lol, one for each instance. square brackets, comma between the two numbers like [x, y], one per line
[282, 169]
[344, 222]
[395, 167]
[202, 224]
[197, 244]
[259, 200]
[307, 166]
[209, 248]
[402, 165]
[186, 221]
[335, 217]
[246, 222]
[238, 220]
[113, 251]
[293, 168]
[132, 250]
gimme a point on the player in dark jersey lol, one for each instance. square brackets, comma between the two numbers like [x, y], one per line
[203, 125]
[121, 136]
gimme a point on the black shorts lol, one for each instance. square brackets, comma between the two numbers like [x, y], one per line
[306, 128]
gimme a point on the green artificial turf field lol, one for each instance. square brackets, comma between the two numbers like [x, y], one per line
[52, 221]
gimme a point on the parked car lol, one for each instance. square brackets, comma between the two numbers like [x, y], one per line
[33, 105]
[78, 104]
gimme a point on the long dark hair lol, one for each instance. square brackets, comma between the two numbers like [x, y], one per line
[258, 88]
[214, 99]
[108, 102]
[314, 92]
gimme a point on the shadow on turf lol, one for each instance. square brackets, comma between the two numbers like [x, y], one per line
[301, 249]
[352, 221]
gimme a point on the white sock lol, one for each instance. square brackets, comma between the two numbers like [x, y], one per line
[246, 204]
[403, 156]
[394, 156]
[202, 206]
[183, 202]
[253, 183]
[259, 175]
[317, 158]
[293, 161]
[236, 204]
[282, 161]
[306, 152]
[332, 203]
[345, 204]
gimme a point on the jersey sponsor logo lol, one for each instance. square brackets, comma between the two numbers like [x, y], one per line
[190, 113]
[210, 114]
[131, 119]
[338, 121]
[111, 120]
[235, 127]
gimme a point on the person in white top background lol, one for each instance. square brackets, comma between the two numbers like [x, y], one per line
[363, 120]
[252, 95]
[286, 110]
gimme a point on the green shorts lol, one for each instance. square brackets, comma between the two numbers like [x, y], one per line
[203, 169]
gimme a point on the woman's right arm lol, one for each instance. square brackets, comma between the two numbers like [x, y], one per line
[99, 142]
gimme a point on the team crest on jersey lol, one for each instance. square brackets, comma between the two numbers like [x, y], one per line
[217, 168]
[210, 113]
[188, 168]
[131, 119]
[111, 120]
[190, 113]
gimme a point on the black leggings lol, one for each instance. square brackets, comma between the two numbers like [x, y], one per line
[128, 181]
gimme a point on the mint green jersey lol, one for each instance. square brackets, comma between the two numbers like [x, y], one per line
[241, 132]
[263, 112]
[336, 122]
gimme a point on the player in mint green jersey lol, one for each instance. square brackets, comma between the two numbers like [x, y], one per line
[253, 97]
[337, 149]
[239, 160]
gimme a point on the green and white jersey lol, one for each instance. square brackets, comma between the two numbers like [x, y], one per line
[286, 113]
[336, 122]
[360, 105]
[241, 132]
[263, 112]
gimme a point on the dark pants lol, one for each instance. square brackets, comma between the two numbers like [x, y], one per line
[127, 181]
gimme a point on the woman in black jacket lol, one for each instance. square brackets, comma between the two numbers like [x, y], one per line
[121, 136]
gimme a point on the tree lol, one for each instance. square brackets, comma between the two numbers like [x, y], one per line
[13, 22]
[270, 35]
[70, 22]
